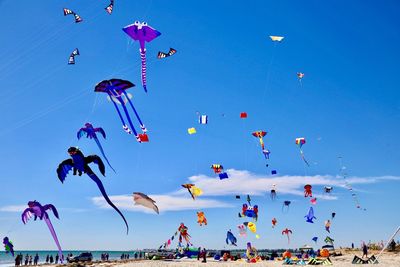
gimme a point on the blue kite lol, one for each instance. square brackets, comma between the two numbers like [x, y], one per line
[310, 216]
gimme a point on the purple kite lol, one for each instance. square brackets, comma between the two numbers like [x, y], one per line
[91, 134]
[116, 91]
[38, 211]
[143, 33]
[80, 164]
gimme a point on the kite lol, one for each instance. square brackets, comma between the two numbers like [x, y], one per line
[249, 211]
[276, 38]
[313, 201]
[300, 142]
[203, 119]
[273, 192]
[116, 91]
[237, 197]
[327, 225]
[8, 246]
[307, 190]
[285, 206]
[71, 60]
[145, 201]
[333, 215]
[230, 238]
[260, 135]
[310, 216]
[315, 239]
[143, 33]
[192, 130]
[287, 232]
[90, 133]
[329, 240]
[242, 230]
[183, 234]
[201, 218]
[193, 190]
[300, 75]
[38, 211]
[274, 222]
[109, 8]
[273, 172]
[164, 55]
[70, 12]
[251, 253]
[249, 199]
[252, 226]
[80, 164]
[328, 189]
[219, 169]
[243, 115]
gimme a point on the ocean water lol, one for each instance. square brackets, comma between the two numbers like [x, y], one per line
[6, 259]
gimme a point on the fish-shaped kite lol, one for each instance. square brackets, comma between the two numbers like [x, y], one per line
[310, 216]
[164, 55]
[70, 12]
[71, 60]
[145, 200]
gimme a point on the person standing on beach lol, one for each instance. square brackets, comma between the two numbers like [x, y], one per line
[26, 259]
[204, 255]
[56, 259]
[198, 255]
[36, 259]
[47, 258]
[352, 245]
[51, 259]
[30, 260]
[365, 250]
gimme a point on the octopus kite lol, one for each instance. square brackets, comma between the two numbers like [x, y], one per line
[38, 211]
[287, 232]
[183, 234]
[116, 91]
[80, 164]
[201, 218]
[143, 33]
[273, 192]
[300, 142]
[90, 133]
[8, 246]
[285, 206]
[307, 190]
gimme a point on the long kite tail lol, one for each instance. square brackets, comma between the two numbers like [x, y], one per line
[102, 152]
[304, 159]
[53, 233]
[143, 59]
[103, 192]
[137, 115]
[124, 126]
[130, 121]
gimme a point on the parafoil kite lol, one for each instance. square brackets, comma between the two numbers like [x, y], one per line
[191, 130]
[183, 234]
[328, 226]
[300, 142]
[70, 12]
[116, 91]
[36, 210]
[274, 222]
[90, 133]
[260, 135]
[328, 189]
[287, 232]
[80, 164]
[315, 239]
[276, 38]
[71, 60]
[249, 211]
[243, 115]
[230, 238]
[193, 190]
[164, 55]
[310, 216]
[219, 169]
[242, 230]
[143, 33]
[201, 218]
[307, 190]
[285, 206]
[145, 201]
[109, 8]
[203, 119]
[273, 192]
[8, 246]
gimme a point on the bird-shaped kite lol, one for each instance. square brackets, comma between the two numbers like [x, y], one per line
[8, 246]
[193, 190]
[300, 142]
[230, 238]
[90, 133]
[329, 240]
[109, 8]
[310, 216]
[70, 12]
[36, 210]
[116, 91]
[145, 201]
[143, 33]
[80, 164]
[71, 60]
[287, 232]
[164, 55]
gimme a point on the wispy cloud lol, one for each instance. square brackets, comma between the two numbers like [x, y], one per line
[239, 183]
[13, 208]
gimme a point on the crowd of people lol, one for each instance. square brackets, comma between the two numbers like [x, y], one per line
[20, 260]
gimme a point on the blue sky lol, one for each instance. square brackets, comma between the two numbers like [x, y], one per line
[347, 105]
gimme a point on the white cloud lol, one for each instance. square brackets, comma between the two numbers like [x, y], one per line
[13, 208]
[239, 183]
